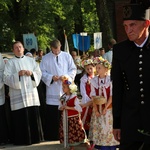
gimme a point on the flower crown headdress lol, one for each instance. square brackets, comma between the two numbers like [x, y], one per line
[87, 62]
[72, 86]
[104, 62]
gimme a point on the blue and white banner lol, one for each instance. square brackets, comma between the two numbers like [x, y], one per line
[81, 42]
[30, 41]
[97, 40]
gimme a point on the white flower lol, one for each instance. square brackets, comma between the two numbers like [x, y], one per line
[73, 88]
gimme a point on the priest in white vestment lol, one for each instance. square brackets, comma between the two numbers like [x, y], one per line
[22, 74]
[3, 122]
[2, 94]
[54, 66]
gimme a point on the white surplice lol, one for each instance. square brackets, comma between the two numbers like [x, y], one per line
[50, 66]
[23, 90]
[83, 81]
[2, 94]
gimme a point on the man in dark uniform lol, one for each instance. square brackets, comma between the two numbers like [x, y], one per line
[131, 81]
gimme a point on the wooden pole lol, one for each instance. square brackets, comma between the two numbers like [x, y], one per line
[77, 42]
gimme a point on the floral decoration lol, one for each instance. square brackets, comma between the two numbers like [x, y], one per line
[87, 62]
[104, 62]
[67, 82]
[78, 61]
[73, 88]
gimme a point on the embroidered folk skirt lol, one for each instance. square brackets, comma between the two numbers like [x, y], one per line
[101, 131]
[75, 133]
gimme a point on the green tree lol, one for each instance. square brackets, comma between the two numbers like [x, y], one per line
[49, 18]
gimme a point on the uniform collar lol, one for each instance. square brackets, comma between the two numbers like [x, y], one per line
[19, 57]
[146, 45]
[54, 54]
[142, 43]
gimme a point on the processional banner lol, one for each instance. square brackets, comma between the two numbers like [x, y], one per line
[30, 41]
[97, 40]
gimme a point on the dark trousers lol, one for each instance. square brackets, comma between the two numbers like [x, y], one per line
[3, 126]
[27, 128]
[77, 80]
[52, 121]
[135, 146]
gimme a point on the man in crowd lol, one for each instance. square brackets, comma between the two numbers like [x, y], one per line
[108, 55]
[22, 74]
[54, 66]
[131, 80]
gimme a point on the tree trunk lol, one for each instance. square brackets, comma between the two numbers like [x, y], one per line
[79, 21]
[60, 32]
[104, 21]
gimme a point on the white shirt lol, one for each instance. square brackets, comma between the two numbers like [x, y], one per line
[50, 67]
[108, 56]
[101, 84]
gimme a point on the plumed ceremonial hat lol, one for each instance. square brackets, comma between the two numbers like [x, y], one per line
[137, 11]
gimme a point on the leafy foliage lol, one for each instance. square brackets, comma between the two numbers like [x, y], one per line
[47, 20]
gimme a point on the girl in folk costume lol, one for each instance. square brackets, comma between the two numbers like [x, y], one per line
[71, 129]
[101, 120]
[85, 89]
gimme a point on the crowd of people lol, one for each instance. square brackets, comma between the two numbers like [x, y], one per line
[44, 102]
[42, 94]
[101, 100]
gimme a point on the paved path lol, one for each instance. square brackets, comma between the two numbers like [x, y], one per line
[42, 146]
[8, 54]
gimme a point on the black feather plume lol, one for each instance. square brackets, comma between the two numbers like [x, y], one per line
[145, 3]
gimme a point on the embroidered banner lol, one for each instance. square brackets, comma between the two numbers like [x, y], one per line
[97, 40]
[30, 41]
